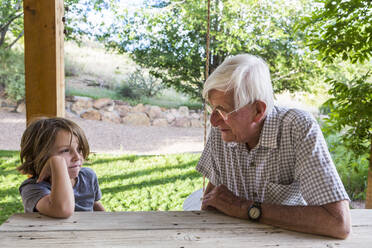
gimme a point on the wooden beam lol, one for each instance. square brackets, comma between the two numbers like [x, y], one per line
[44, 54]
[369, 183]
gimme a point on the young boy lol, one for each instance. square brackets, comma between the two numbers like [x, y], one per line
[52, 152]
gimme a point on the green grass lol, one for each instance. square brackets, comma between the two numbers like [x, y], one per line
[161, 101]
[93, 92]
[127, 182]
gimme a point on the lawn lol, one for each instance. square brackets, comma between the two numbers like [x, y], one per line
[127, 182]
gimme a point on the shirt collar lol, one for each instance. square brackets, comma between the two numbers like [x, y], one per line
[269, 133]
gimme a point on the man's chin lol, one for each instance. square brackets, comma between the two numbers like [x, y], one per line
[228, 137]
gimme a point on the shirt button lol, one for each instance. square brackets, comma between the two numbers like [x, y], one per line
[253, 164]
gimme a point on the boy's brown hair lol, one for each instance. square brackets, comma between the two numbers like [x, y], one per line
[38, 140]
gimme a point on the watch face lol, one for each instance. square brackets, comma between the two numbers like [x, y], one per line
[254, 213]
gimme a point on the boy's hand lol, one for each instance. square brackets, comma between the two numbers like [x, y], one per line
[46, 172]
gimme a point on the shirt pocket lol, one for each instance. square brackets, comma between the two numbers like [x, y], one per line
[282, 194]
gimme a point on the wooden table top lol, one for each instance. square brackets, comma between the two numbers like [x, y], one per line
[167, 229]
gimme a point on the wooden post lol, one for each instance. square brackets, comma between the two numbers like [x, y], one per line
[369, 182]
[44, 65]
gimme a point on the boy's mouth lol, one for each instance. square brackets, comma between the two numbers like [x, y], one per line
[74, 166]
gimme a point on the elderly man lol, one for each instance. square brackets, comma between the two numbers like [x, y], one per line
[266, 163]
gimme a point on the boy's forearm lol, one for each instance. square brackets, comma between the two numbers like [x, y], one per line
[97, 206]
[62, 199]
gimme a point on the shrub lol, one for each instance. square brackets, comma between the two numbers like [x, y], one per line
[127, 91]
[72, 68]
[352, 168]
[12, 74]
[146, 85]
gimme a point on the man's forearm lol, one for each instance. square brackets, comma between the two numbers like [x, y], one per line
[331, 219]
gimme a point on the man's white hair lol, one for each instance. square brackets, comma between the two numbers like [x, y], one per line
[247, 75]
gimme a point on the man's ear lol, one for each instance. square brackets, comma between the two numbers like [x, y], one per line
[260, 111]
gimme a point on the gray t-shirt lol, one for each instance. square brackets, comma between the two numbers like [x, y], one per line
[86, 191]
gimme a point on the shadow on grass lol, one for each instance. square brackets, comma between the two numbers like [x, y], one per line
[8, 153]
[154, 182]
[145, 172]
[9, 208]
[10, 191]
[9, 172]
[130, 158]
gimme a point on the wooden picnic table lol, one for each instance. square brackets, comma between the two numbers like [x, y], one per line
[167, 229]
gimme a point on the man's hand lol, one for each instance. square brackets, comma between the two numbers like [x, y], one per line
[225, 201]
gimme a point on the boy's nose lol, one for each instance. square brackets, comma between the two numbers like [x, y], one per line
[75, 155]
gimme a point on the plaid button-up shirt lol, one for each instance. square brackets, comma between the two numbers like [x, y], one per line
[290, 165]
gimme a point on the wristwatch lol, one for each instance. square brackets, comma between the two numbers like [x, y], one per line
[254, 211]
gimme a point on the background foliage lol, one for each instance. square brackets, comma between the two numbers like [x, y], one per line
[170, 39]
[343, 30]
[167, 37]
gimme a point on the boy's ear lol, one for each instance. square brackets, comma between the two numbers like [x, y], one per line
[260, 111]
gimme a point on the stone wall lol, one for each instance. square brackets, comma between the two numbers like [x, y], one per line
[121, 112]
[117, 111]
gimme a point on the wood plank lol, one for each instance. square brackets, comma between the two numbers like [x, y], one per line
[167, 229]
[124, 221]
[146, 221]
[197, 237]
[44, 58]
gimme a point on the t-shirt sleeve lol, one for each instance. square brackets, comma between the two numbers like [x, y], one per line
[31, 193]
[319, 181]
[97, 190]
[207, 165]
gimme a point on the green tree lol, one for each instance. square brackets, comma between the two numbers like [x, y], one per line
[76, 12]
[11, 30]
[11, 22]
[342, 29]
[170, 39]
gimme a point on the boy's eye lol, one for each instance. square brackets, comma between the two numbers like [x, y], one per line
[65, 150]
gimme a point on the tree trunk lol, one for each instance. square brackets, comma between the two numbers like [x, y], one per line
[2, 34]
[369, 182]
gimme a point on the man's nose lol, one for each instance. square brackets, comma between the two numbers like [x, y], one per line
[215, 118]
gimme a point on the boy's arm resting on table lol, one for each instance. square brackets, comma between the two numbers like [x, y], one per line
[331, 219]
[61, 202]
[97, 206]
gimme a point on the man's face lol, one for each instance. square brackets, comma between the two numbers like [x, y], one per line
[239, 126]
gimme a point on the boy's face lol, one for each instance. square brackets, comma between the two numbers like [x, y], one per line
[70, 151]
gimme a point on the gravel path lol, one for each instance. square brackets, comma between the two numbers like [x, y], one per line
[107, 137]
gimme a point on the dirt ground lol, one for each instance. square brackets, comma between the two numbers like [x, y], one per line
[107, 137]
